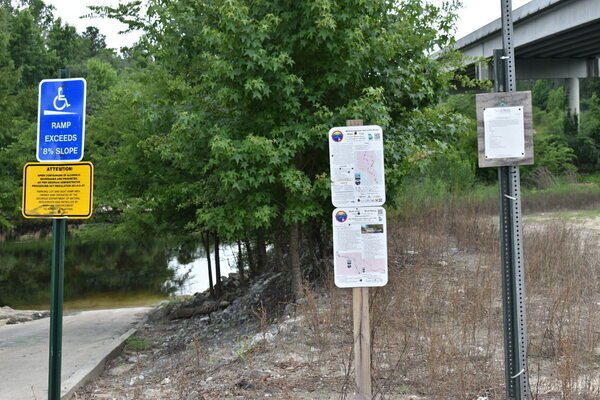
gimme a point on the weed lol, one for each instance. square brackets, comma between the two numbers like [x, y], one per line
[246, 347]
[138, 343]
[317, 322]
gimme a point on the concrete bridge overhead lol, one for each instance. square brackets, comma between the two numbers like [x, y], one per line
[552, 39]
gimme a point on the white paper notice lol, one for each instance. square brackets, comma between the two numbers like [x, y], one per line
[504, 132]
[356, 165]
[360, 247]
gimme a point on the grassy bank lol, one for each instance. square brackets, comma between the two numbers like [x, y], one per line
[437, 326]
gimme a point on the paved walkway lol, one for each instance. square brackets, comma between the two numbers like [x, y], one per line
[88, 338]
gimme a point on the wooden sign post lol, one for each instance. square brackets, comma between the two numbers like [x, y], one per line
[362, 342]
[359, 229]
[362, 331]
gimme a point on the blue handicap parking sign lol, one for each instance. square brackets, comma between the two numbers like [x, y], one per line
[61, 120]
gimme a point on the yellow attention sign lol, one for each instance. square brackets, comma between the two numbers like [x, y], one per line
[58, 190]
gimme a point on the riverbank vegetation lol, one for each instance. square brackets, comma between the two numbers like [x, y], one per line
[215, 123]
[436, 327]
[213, 127]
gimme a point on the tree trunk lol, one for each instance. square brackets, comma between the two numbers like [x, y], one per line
[261, 253]
[219, 291]
[295, 260]
[278, 250]
[251, 262]
[320, 249]
[206, 243]
[240, 263]
[314, 270]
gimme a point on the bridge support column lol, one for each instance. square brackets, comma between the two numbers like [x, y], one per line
[573, 85]
[482, 70]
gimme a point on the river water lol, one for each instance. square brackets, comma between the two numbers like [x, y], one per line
[107, 272]
[197, 270]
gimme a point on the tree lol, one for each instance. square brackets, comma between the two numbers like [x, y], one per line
[41, 12]
[96, 40]
[254, 87]
[589, 136]
[65, 42]
[33, 45]
[8, 79]
[26, 46]
[101, 76]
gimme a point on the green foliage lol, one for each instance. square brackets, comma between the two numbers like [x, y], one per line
[96, 42]
[560, 144]
[27, 49]
[540, 93]
[138, 343]
[557, 100]
[33, 46]
[100, 76]
[463, 104]
[589, 136]
[64, 41]
[552, 153]
[436, 176]
[242, 94]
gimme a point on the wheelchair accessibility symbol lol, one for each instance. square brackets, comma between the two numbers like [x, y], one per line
[60, 101]
[61, 120]
[66, 97]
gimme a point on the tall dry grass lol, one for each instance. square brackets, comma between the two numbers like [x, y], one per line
[437, 326]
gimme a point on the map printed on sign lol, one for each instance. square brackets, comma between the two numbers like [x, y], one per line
[61, 120]
[360, 247]
[356, 165]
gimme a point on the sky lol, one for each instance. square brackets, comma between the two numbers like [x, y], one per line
[476, 13]
[473, 15]
[70, 12]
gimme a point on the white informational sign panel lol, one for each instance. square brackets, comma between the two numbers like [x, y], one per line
[360, 247]
[504, 130]
[356, 163]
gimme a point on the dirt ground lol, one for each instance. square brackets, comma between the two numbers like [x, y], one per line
[307, 352]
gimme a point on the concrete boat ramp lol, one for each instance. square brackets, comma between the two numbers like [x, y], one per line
[90, 338]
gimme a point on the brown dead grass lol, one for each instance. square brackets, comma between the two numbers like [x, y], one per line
[436, 327]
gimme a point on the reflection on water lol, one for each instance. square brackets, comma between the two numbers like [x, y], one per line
[105, 271]
[194, 275]
[103, 301]
[105, 267]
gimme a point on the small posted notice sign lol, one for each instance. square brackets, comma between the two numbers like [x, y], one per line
[53, 190]
[504, 132]
[360, 247]
[504, 129]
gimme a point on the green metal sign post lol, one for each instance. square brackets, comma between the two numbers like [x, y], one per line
[66, 200]
[56, 307]
[511, 234]
[59, 227]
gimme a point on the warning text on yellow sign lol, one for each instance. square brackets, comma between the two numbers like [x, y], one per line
[58, 190]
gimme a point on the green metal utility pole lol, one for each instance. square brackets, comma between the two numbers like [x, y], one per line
[59, 227]
[511, 235]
